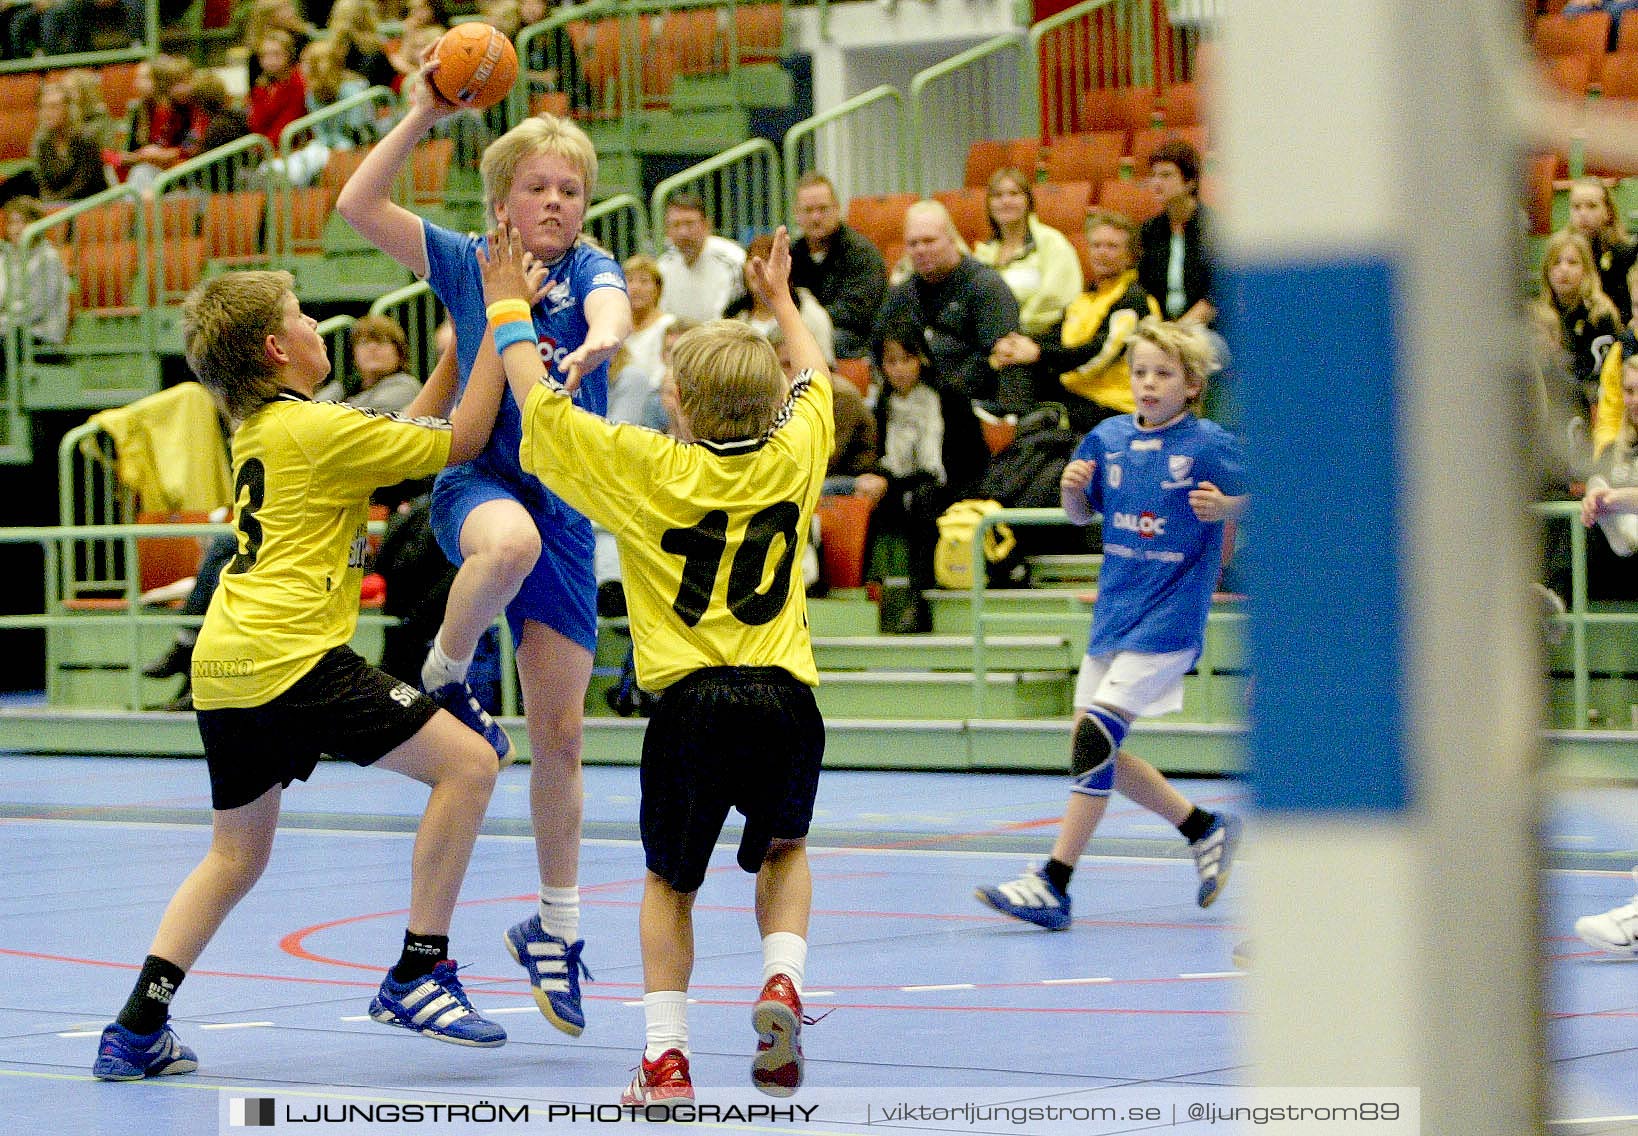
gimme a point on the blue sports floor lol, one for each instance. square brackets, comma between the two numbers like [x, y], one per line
[925, 987]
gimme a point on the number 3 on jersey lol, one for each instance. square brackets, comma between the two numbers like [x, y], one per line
[252, 486]
[702, 548]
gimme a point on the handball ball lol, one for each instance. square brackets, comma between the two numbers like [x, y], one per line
[476, 66]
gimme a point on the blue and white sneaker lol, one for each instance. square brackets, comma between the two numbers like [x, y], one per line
[1031, 897]
[1214, 856]
[554, 968]
[435, 1005]
[126, 1056]
[458, 699]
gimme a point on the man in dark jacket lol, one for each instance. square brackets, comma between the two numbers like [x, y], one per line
[842, 269]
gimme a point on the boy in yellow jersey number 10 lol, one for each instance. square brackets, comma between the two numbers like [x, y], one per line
[710, 526]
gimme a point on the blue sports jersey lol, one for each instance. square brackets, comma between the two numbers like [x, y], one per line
[560, 321]
[1160, 562]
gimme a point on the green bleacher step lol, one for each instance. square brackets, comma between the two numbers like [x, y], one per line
[943, 694]
[943, 652]
[91, 382]
[848, 612]
[764, 85]
[1079, 568]
[358, 277]
[690, 132]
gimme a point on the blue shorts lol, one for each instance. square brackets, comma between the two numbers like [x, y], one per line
[561, 591]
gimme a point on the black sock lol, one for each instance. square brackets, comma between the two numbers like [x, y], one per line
[421, 954]
[150, 1001]
[1058, 872]
[1196, 824]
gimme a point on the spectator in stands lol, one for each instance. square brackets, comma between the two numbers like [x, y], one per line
[158, 120]
[1609, 575]
[44, 285]
[83, 86]
[842, 269]
[502, 15]
[703, 272]
[1082, 361]
[552, 63]
[1594, 215]
[962, 307]
[22, 31]
[425, 14]
[1588, 322]
[1176, 264]
[378, 380]
[1037, 261]
[280, 95]
[750, 309]
[217, 120]
[67, 159]
[932, 451]
[265, 16]
[92, 25]
[354, 31]
[635, 373]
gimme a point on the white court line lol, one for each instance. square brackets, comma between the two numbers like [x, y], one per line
[1595, 1120]
[1214, 974]
[941, 986]
[234, 1025]
[358, 1018]
[82, 1033]
[1073, 981]
[818, 994]
[530, 1009]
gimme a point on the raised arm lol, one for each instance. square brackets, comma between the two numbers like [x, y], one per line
[438, 392]
[608, 322]
[366, 200]
[506, 282]
[771, 282]
[474, 415]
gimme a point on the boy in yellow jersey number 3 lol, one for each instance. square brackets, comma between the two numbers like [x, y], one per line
[710, 526]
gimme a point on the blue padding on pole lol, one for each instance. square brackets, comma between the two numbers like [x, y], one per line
[1317, 358]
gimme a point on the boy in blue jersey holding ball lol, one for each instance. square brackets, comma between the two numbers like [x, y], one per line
[1164, 481]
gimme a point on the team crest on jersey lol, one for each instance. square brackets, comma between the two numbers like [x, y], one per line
[559, 298]
[1179, 465]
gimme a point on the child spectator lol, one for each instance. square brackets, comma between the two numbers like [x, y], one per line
[1593, 214]
[1164, 481]
[158, 120]
[736, 724]
[45, 282]
[67, 159]
[216, 120]
[265, 16]
[280, 94]
[1588, 322]
[84, 89]
[354, 31]
[274, 680]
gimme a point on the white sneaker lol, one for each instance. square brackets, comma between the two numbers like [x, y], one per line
[1620, 529]
[1615, 931]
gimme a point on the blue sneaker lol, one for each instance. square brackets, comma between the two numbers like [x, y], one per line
[1214, 856]
[435, 1005]
[1031, 897]
[126, 1056]
[554, 968]
[458, 699]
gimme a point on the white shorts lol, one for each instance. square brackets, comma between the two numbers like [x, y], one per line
[1142, 685]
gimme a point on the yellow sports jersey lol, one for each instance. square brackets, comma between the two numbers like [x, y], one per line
[302, 476]
[710, 533]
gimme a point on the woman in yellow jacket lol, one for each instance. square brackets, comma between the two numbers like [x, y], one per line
[1037, 261]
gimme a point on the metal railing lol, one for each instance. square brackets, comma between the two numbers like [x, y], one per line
[136, 52]
[740, 188]
[1094, 45]
[862, 145]
[620, 225]
[967, 97]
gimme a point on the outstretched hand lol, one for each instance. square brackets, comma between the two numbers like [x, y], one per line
[505, 273]
[771, 278]
[423, 95]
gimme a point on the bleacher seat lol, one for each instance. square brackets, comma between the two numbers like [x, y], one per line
[104, 271]
[1062, 205]
[844, 531]
[429, 170]
[986, 155]
[1585, 35]
[969, 209]
[161, 560]
[309, 210]
[118, 86]
[1572, 74]
[110, 221]
[879, 218]
[1132, 198]
[1180, 105]
[1089, 157]
[1116, 108]
[232, 226]
[855, 371]
[183, 261]
[760, 29]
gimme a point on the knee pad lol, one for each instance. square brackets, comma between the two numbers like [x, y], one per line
[1092, 752]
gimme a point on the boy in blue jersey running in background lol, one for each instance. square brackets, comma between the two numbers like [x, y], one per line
[1164, 481]
[516, 545]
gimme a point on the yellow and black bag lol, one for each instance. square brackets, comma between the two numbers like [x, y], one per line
[953, 555]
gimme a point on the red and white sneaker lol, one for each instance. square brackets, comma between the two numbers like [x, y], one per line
[662, 1082]
[777, 1067]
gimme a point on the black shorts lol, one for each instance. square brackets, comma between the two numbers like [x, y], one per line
[342, 707]
[728, 737]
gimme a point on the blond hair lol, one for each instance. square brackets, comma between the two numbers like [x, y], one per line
[225, 325]
[729, 382]
[1183, 343]
[541, 134]
[1591, 290]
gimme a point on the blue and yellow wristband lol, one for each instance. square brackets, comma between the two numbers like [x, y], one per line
[510, 322]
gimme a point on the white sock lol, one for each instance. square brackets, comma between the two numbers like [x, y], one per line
[440, 669]
[665, 1013]
[784, 952]
[560, 912]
